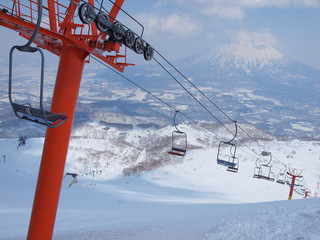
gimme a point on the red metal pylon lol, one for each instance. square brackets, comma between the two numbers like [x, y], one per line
[306, 193]
[62, 34]
[294, 173]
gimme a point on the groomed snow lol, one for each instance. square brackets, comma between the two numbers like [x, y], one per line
[190, 199]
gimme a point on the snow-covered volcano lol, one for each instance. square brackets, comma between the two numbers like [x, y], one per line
[241, 56]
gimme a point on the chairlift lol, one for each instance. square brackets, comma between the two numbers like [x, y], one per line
[179, 140]
[263, 171]
[228, 158]
[281, 177]
[25, 110]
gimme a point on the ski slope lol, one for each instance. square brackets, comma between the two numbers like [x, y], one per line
[187, 198]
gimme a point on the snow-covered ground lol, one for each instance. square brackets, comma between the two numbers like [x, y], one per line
[185, 198]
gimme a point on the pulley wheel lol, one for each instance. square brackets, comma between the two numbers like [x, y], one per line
[148, 53]
[85, 10]
[101, 27]
[129, 38]
[117, 27]
[139, 45]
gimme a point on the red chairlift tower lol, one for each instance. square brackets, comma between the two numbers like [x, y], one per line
[62, 34]
[307, 193]
[294, 173]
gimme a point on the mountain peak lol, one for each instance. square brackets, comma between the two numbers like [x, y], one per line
[241, 56]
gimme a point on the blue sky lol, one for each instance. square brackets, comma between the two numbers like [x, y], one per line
[181, 28]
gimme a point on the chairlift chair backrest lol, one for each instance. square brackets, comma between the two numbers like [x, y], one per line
[281, 177]
[266, 172]
[25, 110]
[228, 157]
[263, 171]
[179, 140]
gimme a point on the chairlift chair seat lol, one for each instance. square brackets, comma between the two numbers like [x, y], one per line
[257, 176]
[37, 115]
[178, 152]
[232, 169]
[280, 181]
[267, 178]
[226, 163]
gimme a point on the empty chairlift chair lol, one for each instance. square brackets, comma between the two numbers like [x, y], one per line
[264, 171]
[227, 154]
[281, 177]
[25, 110]
[257, 170]
[179, 140]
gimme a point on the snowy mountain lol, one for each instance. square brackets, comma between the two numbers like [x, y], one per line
[241, 56]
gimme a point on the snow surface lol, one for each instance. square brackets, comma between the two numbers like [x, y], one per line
[187, 198]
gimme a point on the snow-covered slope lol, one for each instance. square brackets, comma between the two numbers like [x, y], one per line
[129, 188]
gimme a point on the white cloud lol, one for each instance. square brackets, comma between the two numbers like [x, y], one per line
[245, 37]
[176, 24]
[161, 3]
[279, 3]
[235, 9]
[225, 12]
